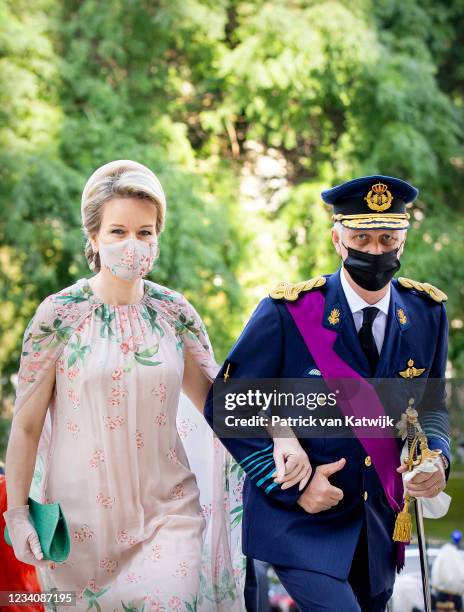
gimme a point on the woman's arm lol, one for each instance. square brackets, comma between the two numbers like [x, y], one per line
[292, 462]
[292, 465]
[195, 383]
[43, 340]
[21, 453]
[23, 441]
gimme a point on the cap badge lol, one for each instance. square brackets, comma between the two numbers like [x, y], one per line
[379, 198]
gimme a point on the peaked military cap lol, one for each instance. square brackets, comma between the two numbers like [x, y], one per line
[371, 202]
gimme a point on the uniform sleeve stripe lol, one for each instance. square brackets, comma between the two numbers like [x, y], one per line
[259, 460]
[271, 486]
[259, 452]
[440, 437]
[263, 467]
[268, 475]
[436, 423]
[434, 416]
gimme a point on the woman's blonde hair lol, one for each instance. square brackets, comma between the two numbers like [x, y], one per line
[120, 178]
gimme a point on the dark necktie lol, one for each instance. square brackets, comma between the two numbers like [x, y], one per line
[366, 337]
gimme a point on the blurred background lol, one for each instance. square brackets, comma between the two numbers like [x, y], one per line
[246, 111]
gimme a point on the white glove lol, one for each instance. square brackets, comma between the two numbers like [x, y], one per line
[432, 507]
[24, 537]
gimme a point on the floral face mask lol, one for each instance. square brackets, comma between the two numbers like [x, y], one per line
[129, 259]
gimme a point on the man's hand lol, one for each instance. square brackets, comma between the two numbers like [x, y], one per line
[320, 494]
[425, 484]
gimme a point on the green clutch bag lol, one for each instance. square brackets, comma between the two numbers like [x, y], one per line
[51, 527]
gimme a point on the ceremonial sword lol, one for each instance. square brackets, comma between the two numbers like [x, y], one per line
[415, 437]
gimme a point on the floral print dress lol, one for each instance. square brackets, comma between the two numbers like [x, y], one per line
[151, 498]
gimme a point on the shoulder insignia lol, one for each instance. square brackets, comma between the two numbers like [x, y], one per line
[436, 294]
[291, 291]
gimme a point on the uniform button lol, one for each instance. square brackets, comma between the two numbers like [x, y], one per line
[365, 495]
[368, 461]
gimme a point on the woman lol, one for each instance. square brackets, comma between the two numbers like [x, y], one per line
[102, 367]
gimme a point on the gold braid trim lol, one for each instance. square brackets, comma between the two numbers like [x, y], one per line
[363, 224]
[291, 291]
[436, 294]
[387, 216]
[374, 220]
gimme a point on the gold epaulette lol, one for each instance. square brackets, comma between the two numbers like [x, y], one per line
[436, 294]
[291, 291]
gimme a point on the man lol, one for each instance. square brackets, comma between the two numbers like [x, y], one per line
[332, 544]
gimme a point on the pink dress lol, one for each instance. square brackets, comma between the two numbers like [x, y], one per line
[144, 535]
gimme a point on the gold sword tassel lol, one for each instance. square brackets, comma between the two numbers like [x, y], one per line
[403, 524]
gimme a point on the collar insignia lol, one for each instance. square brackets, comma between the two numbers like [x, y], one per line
[334, 316]
[402, 318]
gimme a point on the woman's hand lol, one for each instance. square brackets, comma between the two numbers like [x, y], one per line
[24, 537]
[292, 463]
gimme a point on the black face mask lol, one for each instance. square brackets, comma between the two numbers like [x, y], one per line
[369, 271]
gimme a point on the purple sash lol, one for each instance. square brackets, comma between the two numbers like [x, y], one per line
[308, 312]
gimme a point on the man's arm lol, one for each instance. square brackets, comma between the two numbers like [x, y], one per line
[257, 353]
[434, 419]
[433, 413]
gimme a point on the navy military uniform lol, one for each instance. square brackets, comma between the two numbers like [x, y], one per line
[304, 548]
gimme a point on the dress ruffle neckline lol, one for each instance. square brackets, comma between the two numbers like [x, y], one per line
[94, 299]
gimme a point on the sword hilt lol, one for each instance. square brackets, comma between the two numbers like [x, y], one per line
[418, 447]
[418, 451]
[413, 430]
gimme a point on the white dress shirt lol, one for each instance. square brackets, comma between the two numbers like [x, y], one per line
[356, 304]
